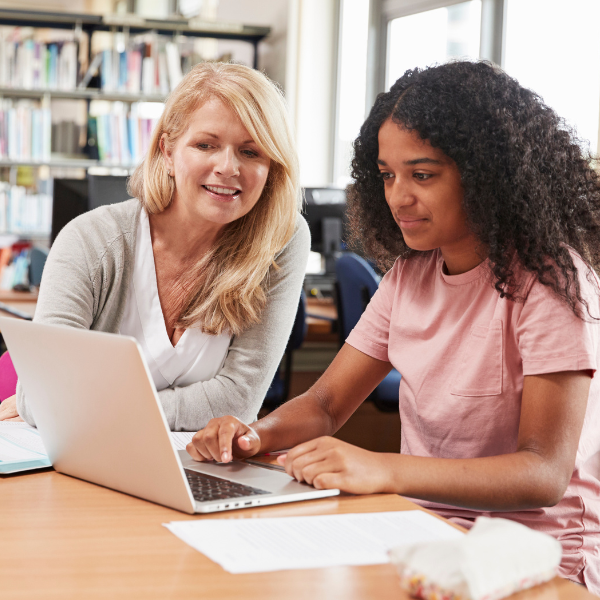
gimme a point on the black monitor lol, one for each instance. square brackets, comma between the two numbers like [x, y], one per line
[325, 212]
[73, 197]
[106, 189]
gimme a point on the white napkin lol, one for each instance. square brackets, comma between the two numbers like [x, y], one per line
[496, 558]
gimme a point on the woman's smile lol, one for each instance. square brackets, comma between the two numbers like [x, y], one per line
[221, 193]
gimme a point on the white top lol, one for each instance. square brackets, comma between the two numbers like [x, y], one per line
[196, 357]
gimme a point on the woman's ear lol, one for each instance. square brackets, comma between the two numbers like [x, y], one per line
[166, 152]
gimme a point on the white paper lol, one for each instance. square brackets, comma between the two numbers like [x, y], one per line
[181, 439]
[256, 545]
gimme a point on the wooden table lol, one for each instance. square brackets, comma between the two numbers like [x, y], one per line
[62, 538]
[318, 328]
[24, 302]
[321, 329]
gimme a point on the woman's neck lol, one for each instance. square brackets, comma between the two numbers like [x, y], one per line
[180, 237]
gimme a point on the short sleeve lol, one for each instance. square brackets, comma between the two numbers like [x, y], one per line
[372, 332]
[551, 337]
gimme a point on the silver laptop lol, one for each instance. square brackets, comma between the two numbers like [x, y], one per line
[96, 408]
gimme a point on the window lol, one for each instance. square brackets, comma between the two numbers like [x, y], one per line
[352, 84]
[431, 37]
[551, 47]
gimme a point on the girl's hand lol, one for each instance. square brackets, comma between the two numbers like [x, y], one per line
[327, 463]
[8, 410]
[222, 439]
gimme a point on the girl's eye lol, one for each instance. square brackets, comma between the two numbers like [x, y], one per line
[423, 176]
[385, 175]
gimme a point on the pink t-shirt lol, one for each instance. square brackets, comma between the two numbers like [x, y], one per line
[462, 352]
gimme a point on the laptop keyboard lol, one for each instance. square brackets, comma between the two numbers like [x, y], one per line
[206, 487]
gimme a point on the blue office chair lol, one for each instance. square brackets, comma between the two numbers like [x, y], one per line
[37, 260]
[356, 284]
[279, 390]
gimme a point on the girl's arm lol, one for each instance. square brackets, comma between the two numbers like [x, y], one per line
[321, 411]
[535, 475]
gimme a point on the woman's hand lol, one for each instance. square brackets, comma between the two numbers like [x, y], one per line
[327, 463]
[8, 410]
[222, 439]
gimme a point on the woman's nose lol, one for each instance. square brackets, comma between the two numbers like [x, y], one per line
[227, 163]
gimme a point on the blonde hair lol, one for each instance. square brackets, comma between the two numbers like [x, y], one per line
[227, 288]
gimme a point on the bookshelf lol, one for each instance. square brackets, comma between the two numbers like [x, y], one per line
[39, 74]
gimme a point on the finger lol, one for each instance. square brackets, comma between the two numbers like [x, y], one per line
[198, 441]
[191, 450]
[328, 481]
[15, 419]
[224, 442]
[247, 445]
[298, 465]
[195, 454]
[296, 452]
[312, 469]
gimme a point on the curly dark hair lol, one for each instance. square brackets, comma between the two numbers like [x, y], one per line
[530, 191]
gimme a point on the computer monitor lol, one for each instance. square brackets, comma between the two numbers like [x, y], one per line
[325, 213]
[73, 197]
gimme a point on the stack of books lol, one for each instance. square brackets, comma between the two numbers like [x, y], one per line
[23, 212]
[149, 67]
[30, 64]
[25, 130]
[122, 132]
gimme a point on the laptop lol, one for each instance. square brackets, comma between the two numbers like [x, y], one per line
[97, 411]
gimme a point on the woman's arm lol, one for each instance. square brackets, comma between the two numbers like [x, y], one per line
[253, 356]
[536, 475]
[66, 293]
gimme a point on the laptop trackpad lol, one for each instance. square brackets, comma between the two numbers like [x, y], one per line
[238, 471]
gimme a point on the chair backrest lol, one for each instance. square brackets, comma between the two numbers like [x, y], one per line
[8, 377]
[300, 326]
[357, 282]
[37, 260]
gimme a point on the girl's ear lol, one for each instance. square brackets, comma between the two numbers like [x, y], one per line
[166, 151]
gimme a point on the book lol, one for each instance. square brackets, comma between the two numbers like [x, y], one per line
[21, 448]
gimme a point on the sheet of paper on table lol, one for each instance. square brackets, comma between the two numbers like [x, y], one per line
[255, 545]
[22, 449]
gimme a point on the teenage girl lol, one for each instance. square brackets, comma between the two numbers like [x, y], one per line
[484, 210]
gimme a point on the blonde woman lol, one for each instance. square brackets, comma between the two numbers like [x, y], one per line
[204, 268]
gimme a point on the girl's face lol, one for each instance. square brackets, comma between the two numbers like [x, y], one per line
[219, 170]
[424, 192]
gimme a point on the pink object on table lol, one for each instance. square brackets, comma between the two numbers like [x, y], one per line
[8, 377]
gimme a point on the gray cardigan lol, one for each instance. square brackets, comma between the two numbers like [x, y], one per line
[85, 283]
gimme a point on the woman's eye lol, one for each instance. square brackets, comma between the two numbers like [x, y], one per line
[423, 176]
[250, 153]
[384, 175]
[203, 146]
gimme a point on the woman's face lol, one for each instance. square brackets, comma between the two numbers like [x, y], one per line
[219, 171]
[424, 192]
